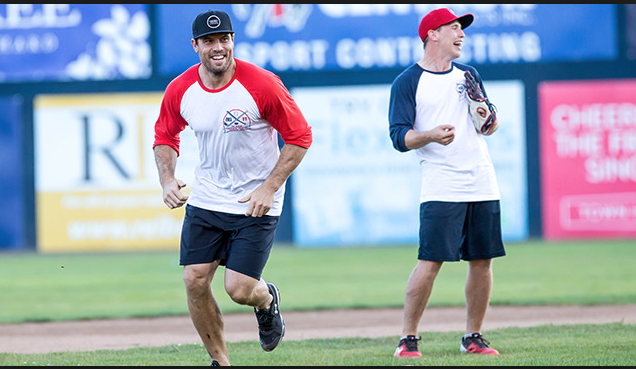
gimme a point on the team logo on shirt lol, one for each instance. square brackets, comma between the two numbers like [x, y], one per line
[461, 90]
[236, 120]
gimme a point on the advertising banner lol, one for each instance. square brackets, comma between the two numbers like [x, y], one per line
[60, 42]
[318, 37]
[588, 158]
[630, 31]
[97, 186]
[507, 149]
[12, 216]
[353, 188]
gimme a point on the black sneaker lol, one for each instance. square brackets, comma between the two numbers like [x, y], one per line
[407, 347]
[476, 344]
[271, 325]
[215, 363]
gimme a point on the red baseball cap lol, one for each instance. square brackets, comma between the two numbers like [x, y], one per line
[440, 17]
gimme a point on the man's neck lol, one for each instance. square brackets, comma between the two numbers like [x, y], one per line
[435, 62]
[435, 65]
[214, 81]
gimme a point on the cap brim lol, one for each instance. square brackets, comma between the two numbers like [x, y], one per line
[212, 32]
[466, 20]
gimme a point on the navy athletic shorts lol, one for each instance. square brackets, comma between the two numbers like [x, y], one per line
[242, 243]
[453, 231]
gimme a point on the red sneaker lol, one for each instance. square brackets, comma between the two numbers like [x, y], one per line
[476, 344]
[408, 347]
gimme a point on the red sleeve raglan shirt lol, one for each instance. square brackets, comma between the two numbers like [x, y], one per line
[236, 128]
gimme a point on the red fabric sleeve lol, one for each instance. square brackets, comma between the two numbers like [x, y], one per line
[275, 104]
[170, 123]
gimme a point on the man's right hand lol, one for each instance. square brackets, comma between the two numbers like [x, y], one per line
[172, 195]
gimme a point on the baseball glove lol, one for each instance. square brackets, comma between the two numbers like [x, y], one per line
[482, 118]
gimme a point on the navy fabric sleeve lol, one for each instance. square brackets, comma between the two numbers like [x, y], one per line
[402, 106]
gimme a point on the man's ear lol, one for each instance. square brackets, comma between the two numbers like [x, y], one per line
[432, 34]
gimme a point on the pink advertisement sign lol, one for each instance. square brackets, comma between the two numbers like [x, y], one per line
[588, 159]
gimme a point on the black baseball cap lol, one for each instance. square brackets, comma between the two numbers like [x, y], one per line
[211, 21]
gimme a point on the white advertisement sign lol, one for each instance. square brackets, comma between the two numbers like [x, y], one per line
[354, 188]
[507, 149]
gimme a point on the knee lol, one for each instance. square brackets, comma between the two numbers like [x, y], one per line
[192, 282]
[427, 270]
[244, 290]
[481, 265]
[239, 294]
[196, 280]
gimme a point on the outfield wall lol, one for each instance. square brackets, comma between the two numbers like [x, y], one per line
[77, 129]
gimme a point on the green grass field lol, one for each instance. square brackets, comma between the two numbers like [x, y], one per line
[87, 286]
[569, 345]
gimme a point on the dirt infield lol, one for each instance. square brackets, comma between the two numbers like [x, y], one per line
[128, 333]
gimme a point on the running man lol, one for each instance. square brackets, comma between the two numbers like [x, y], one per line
[236, 110]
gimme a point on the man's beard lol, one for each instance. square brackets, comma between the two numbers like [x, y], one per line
[218, 71]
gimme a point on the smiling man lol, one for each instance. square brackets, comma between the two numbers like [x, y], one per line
[236, 110]
[430, 112]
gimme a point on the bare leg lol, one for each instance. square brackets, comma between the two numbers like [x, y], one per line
[204, 310]
[245, 290]
[418, 290]
[478, 288]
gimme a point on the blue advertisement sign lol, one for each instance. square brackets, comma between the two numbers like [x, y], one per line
[317, 37]
[61, 42]
[12, 230]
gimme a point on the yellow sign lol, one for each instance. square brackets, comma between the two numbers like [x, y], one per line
[112, 220]
[97, 187]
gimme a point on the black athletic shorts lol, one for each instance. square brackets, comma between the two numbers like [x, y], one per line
[450, 231]
[242, 243]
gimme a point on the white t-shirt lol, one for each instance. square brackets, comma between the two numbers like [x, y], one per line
[421, 100]
[236, 129]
